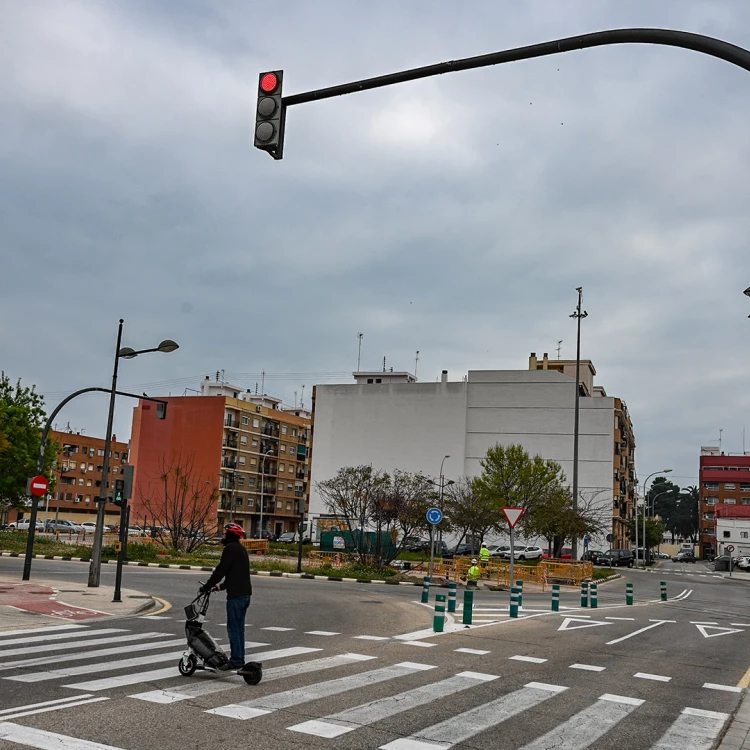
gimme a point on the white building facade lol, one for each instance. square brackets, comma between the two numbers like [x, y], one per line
[399, 423]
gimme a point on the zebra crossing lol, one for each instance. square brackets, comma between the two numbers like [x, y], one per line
[468, 703]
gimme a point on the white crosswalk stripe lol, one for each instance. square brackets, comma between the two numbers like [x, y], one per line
[346, 721]
[587, 726]
[74, 644]
[25, 631]
[39, 738]
[36, 639]
[207, 687]
[694, 729]
[276, 701]
[465, 725]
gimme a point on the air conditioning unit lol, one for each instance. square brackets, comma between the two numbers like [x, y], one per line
[259, 409]
[77, 500]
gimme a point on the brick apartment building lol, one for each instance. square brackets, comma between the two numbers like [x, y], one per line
[241, 445]
[724, 482]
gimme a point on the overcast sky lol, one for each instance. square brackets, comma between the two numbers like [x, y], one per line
[454, 215]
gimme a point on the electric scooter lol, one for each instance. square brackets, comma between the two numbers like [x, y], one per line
[203, 653]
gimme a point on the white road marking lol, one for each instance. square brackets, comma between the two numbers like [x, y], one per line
[476, 651]
[155, 617]
[655, 677]
[584, 728]
[43, 740]
[340, 723]
[694, 729]
[295, 697]
[587, 667]
[278, 629]
[321, 632]
[420, 643]
[637, 632]
[54, 637]
[619, 618]
[131, 648]
[74, 644]
[741, 624]
[695, 622]
[725, 688]
[26, 631]
[218, 685]
[372, 637]
[530, 659]
[42, 704]
[465, 725]
[576, 623]
[170, 672]
[721, 631]
[69, 704]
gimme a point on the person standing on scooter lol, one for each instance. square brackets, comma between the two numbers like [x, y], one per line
[233, 571]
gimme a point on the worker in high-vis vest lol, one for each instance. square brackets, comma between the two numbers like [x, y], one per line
[473, 575]
[484, 556]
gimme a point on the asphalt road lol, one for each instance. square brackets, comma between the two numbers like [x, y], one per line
[652, 675]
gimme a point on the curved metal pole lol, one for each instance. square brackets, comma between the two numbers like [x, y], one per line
[706, 45]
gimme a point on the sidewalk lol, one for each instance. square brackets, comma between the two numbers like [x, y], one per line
[42, 603]
[737, 736]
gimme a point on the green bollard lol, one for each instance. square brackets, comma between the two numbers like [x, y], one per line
[664, 591]
[438, 621]
[594, 599]
[513, 602]
[628, 593]
[555, 597]
[452, 597]
[426, 590]
[584, 594]
[468, 606]
[519, 589]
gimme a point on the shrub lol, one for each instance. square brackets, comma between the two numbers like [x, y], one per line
[142, 551]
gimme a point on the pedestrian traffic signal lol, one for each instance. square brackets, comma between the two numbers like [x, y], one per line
[128, 472]
[119, 498]
[270, 114]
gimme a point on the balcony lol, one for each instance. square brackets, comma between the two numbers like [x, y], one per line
[299, 493]
[229, 463]
[231, 422]
[268, 448]
[301, 475]
[272, 430]
[228, 443]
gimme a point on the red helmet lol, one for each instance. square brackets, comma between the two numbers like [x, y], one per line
[236, 529]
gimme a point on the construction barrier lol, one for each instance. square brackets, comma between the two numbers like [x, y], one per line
[331, 559]
[468, 606]
[438, 621]
[256, 546]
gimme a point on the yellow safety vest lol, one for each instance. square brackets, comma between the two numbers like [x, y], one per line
[484, 554]
[474, 573]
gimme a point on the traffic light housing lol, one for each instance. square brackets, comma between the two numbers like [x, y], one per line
[270, 114]
[119, 496]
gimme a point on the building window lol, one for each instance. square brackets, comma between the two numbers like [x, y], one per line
[281, 467]
[711, 485]
[283, 429]
[243, 440]
[291, 468]
[242, 460]
[256, 423]
[251, 482]
[729, 486]
[745, 487]
[91, 467]
[240, 481]
[727, 534]
[253, 461]
[245, 420]
[88, 498]
[80, 481]
[124, 457]
[117, 454]
[115, 470]
[289, 507]
[84, 450]
[255, 443]
[100, 452]
[282, 448]
[743, 534]
[294, 432]
[711, 500]
[730, 501]
[290, 487]
[88, 483]
[745, 501]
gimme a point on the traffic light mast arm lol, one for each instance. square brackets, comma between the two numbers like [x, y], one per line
[666, 37]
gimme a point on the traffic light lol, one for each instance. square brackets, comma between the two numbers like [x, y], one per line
[127, 473]
[119, 498]
[270, 114]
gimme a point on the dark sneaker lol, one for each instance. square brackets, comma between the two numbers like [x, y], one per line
[232, 665]
[226, 667]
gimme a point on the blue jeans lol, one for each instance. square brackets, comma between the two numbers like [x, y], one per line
[236, 611]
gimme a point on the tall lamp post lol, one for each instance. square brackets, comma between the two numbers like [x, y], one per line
[645, 503]
[579, 315]
[442, 488]
[269, 452]
[95, 568]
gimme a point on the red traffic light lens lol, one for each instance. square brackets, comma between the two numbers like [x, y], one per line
[269, 82]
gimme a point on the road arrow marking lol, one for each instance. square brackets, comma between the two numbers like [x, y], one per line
[580, 623]
[722, 631]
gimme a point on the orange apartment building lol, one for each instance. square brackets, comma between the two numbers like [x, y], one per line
[243, 446]
[77, 472]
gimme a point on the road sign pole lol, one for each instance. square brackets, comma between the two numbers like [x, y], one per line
[123, 553]
[432, 549]
[37, 487]
[512, 555]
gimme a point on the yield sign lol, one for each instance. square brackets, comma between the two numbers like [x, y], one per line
[513, 515]
[567, 623]
[721, 631]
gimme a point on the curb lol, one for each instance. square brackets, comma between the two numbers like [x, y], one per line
[269, 573]
[613, 577]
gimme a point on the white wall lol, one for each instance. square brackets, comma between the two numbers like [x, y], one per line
[736, 528]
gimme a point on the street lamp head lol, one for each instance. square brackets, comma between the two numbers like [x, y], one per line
[747, 291]
[449, 483]
[127, 353]
[168, 346]
[666, 471]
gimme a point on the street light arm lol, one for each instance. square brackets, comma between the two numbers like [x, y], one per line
[665, 37]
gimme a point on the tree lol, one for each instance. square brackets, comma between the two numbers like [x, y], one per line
[184, 504]
[685, 520]
[663, 498]
[410, 497]
[468, 511]
[654, 532]
[22, 418]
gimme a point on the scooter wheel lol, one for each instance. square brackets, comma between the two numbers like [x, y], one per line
[253, 677]
[187, 666]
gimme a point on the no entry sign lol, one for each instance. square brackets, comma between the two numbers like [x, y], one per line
[38, 486]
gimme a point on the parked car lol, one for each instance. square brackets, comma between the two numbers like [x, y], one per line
[530, 552]
[684, 557]
[566, 553]
[414, 544]
[662, 556]
[24, 524]
[62, 524]
[90, 526]
[742, 562]
[269, 535]
[590, 555]
[496, 550]
[461, 550]
[616, 558]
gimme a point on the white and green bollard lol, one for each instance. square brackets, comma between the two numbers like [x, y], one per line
[594, 597]
[438, 621]
[664, 591]
[584, 594]
[452, 596]
[519, 588]
[468, 606]
[555, 597]
[628, 593]
[426, 590]
[514, 601]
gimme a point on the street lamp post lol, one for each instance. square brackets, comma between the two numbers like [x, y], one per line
[645, 503]
[442, 487]
[126, 352]
[262, 500]
[579, 315]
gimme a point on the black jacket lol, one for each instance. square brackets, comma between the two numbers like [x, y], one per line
[234, 568]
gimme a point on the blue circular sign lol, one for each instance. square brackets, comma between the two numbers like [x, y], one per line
[434, 516]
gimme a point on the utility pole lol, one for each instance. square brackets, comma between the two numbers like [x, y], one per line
[579, 315]
[360, 336]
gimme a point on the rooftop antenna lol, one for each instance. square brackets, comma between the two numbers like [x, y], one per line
[256, 387]
[743, 438]
[559, 347]
[263, 382]
[217, 376]
[416, 363]
[295, 399]
[720, 431]
[383, 364]
[360, 336]
[302, 402]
